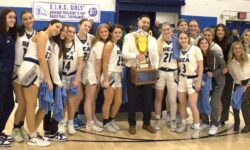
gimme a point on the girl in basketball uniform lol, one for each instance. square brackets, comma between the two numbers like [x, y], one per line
[85, 40]
[91, 75]
[221, 38]
[7, 60]
[238, 66]
[193, 28]
[55, 62]
[33, 69]
[168, 71]
[245, 40]
[213, 69]
[72, 69]
[25, 33]
[111, 79]
[191, 69]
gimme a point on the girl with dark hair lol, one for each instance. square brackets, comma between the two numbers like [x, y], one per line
[91, 75]
[33, 69]
[191, 69]
[111, 79]
[213, 69]
[7, 59]
[55, 62]
[25, 33]
[71, 74]
[221, 38]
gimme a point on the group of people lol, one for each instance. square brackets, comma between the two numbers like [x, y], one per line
[62, 68]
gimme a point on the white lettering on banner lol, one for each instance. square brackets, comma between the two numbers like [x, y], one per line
[68, 12]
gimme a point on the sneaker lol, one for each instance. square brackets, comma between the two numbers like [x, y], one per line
[24, 133]
[61, 127]
[94, 127]
[173, 126]
[58, 137]
[108, 127]
[38, 141]
[203, 126]
[196, 134]
[114, 125]
[168, 119]
[164, 114]
[97, 122]
[71, 129]
[182, 128]
[16, 134]
[157, 125]
[5, 137]
[4, 143]
[192, 126]
[213, 130]
[76, 123]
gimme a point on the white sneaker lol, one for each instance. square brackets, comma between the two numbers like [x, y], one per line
[16, 134]
[203, 126]
[24, 133]
[38, 141]
[157, 125]
[196, 134]
[97, 122]
[71, 129]
[114, 125]
[61, 127]
[213, 130]
[173, 126]
[108, 127]
[182, 128]
[164, 114]
[94, 127]
[192, 126]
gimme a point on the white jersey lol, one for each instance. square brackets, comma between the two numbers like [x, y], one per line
[166, 59]
[22, 44]
[194, 41]
[70, 60]
[89, 72]
[32, 51]
[85, 44]
[188, 60]
[55, 64]
[115, 60]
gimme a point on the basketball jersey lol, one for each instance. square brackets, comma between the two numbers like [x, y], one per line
[32, 51]
[115, 60]
[166, 59]
[22, 46]
[70, 60]
[194, 41]
[85, 44]
[188, 60]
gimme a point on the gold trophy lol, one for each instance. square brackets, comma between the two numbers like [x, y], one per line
[143, 73]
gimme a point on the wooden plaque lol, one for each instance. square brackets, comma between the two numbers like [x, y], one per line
[143, 76]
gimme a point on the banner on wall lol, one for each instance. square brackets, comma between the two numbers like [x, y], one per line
[66, 12]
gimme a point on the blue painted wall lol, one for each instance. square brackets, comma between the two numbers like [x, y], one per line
[203, 21]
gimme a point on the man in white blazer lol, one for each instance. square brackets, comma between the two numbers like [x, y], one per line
[131, 55]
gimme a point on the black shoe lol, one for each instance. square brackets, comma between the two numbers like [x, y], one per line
[4, 137]
[4, 143]
[222, 123]
[58, 137]
[245, 130]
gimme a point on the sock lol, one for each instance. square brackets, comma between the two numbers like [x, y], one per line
[196, 126]
[70, 121]
[15, 126]
[32, 134]
[21, 123]
[158, 117]
[184, 122]
[111, 118]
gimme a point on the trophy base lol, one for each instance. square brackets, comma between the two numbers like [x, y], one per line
[143, 76]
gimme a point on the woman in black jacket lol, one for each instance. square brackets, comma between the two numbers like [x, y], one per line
[7, 58]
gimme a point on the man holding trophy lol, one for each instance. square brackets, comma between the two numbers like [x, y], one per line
[140, 52]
